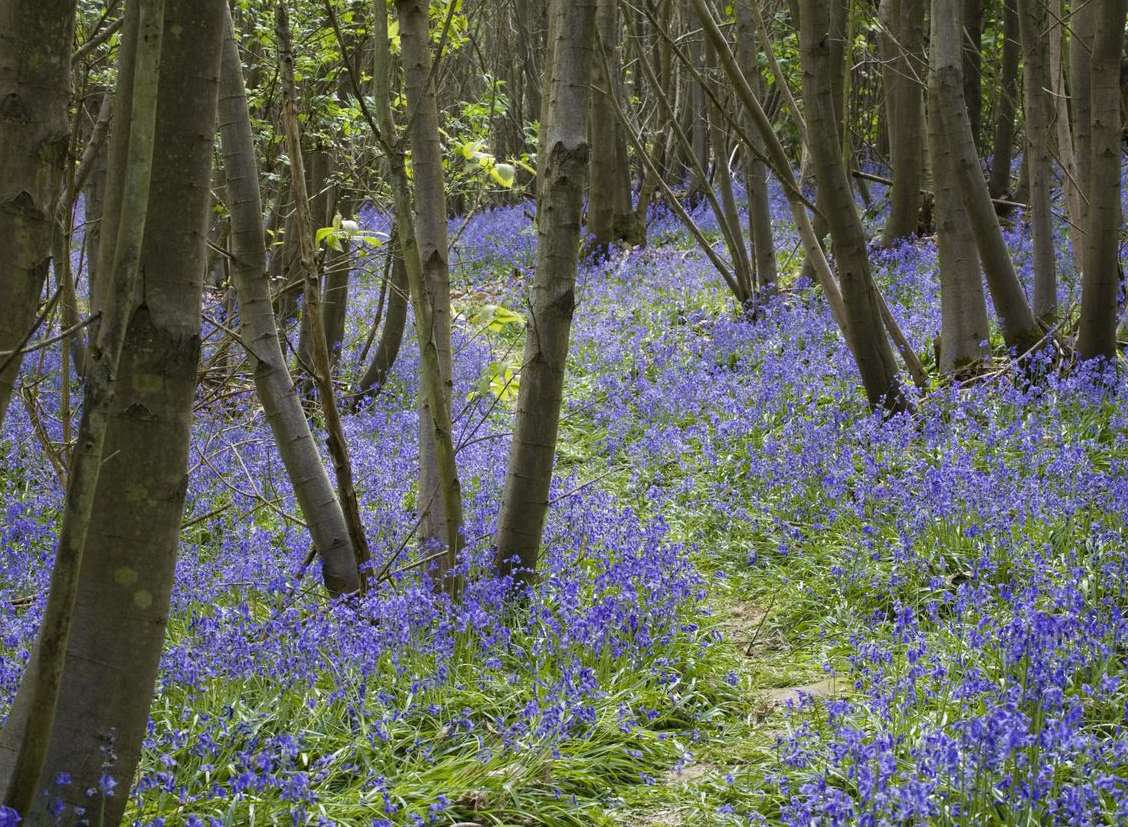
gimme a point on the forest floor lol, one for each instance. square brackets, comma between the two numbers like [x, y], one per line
[759, 603]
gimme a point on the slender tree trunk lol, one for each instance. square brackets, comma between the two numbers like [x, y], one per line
[1082, 23]
[545, 111]
[972, 46]
[395, 320]
[431, 235]
[129, 553]
[319, 351]
[1020, 329]
[35, 48]
[335, 303]
[835, 67]
[435, 392]
[1063, 136]
[736, 277]
[1097, 331]
[755, 170]
[94, 192]
[529, 476]
[312, 488]
[906, 116]
[742, 263]
[1000, 176]
[871, 347]
[319, 169]
[963, 306]
[1034, 25]
[30, 727]
[663, 74]
[781, 166]
[609, 202]
[698, 124]
[601, 195]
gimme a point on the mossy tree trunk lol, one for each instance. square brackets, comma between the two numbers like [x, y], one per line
[35, 48]
[129, 554]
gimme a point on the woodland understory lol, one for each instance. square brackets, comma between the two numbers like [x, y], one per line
[801, 562]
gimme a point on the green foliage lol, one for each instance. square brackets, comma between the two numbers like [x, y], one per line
[345, 230]
[501, 379]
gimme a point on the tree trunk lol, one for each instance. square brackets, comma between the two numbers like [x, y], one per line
[871, 347]
[609, 201]
[338, 273]
[129, 553]
[741, 262]
[431, 235]
[35, 47]
[1020, 329]
[29, 728]
[312, 488]
[781, 166]
[529, 476]
[395, 320]
[317, 186]
[698, 124]
[445, 497]
[835, 67]
[93, 195]
[1063, 137]
[1097, 332]
[1082, 23]
[963, 307]
[905, 19]
[1000, 176]
[1034, 26]
[311, 311]
[755, 170]
[971, 44]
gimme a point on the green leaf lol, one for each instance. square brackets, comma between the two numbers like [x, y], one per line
[503, 174]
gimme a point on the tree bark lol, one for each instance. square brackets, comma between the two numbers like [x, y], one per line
[905, 96]
[1063, 137]
[1096, 336]
[1082, 23]
[610, 218]
[395, 320]
[871, 347]
[284, 413]
[338, 272]
[1034, 27]
[1020, 329]
[729, 215]
[835, 67]
[529, 475]
[1000, 175]
[431, 234]
[311, 312]
[435, 396]
[35, 47]
[129, 553]
[963, 307]
[755, 170]
[318, 170]
[29, 729]
[972, 46]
